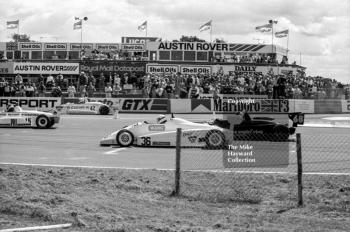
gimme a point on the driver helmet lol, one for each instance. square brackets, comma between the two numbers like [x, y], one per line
[161, 119]
[82, 100]
[10, 108]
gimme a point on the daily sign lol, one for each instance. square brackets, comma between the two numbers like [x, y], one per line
[46, 68]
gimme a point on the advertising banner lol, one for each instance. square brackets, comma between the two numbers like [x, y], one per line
[55, 46]
[107, 47]
[6, 67]
[162, 68]
[32, 103]
[46, 68]
[254, 69]
[300, 105]
[133, 47]
[195, 69]
[77, 46]
[137, 40]
[118, 67]
[250, 105]
[232, 96]
[345, 105]
[30, 46]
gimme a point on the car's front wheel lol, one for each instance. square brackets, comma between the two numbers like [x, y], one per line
[42, 122]
[215, 139]
[125, 138]
[104, 110]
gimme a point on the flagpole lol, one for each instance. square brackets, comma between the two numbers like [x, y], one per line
[287, 44]
[146, 28]
[272, 36]
[81, 38]
[211, 31]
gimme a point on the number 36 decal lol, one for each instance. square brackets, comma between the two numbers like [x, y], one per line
[146, 141]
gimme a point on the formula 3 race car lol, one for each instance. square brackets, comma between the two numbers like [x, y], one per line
[212, 134]
[84, 107]
[163, 134]
[260, 128]
[28, 118]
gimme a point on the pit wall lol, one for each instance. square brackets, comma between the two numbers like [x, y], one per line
[149, 105]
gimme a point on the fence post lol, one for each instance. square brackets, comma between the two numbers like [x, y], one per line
[300, 171]
[177, 161]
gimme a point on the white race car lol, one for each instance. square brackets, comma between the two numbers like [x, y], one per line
[84, 107]
[18, 117]
[163, 134]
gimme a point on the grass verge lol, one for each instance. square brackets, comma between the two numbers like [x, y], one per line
[140, 200]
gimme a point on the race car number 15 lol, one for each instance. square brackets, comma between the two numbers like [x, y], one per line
[146, 141]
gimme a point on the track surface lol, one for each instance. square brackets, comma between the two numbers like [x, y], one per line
[74, 142]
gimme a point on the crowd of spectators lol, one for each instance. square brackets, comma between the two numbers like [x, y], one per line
[174, 85]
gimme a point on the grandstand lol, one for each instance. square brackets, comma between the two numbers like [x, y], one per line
[147, 66]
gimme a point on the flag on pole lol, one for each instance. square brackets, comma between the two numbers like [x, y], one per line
[77, 25]
[205, 26]
[282, 34]
[143, 26]
[12, 24]
[264, 28]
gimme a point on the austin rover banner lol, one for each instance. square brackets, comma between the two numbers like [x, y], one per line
[46, 68]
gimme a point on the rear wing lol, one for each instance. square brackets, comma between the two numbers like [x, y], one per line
[297, 118]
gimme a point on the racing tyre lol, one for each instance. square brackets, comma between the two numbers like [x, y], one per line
[125, 138]
[104, 110]
[215, 139]
[281, 133]
[42, 122]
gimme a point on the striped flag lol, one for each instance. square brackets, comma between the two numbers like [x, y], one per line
[282, 34]
[264, 28]
[270, 105]
[12, 24]
[143, 26]
[205, 26]
[77, 25]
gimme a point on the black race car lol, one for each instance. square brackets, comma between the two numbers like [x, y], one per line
[259, 128]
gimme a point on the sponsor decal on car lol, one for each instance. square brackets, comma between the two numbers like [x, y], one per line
[159, 143]
[156, 127]
[187, 133]
[192, 139]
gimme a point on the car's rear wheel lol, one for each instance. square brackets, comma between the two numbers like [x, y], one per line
[104, 110]
[281, 133]
[125, 138]
[215, 139]
[42, 122]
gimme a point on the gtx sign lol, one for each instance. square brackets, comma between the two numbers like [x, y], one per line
[143, 105]
[46, 68]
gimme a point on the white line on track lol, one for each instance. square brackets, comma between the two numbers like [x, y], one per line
[325, 125]
[165, 169]
[113, 152]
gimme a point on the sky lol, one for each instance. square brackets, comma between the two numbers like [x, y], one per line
[319, 30]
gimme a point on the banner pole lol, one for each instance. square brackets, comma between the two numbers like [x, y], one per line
[287, 44]
[81, 38]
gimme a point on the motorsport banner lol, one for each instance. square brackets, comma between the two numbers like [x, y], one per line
[254, 69]
[32, 103]
[250, 105]
[232, 96]
[46, 68]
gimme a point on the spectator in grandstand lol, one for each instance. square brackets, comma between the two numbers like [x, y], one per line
[7, 89]
[59, 80]
[83, 92]
[108, 91]
[18, 79]
[50, 82]
[30, 89]
[193, 91]
[117, 88]
[3, 83]
[71, 90]
[100, 82]
[41, 89]
[82, 82]
[90, 89]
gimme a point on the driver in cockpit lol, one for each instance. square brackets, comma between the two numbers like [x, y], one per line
[10, 108]
[161, 119]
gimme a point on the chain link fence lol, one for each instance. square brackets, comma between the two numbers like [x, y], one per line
[253, 167]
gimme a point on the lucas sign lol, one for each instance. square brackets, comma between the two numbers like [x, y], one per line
[46, 68]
